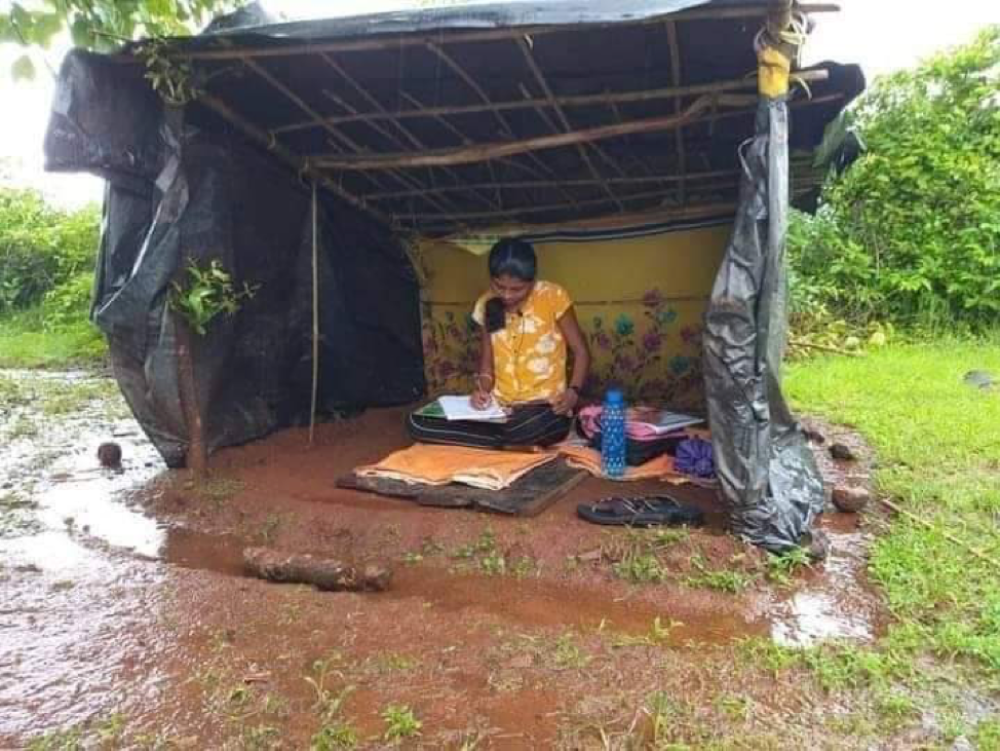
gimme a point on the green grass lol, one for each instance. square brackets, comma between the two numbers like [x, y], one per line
[24, 343]
[938, 446]
[635, 553]
[400, 722]
[29, 397]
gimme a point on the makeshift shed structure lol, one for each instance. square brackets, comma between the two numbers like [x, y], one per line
[339, 165]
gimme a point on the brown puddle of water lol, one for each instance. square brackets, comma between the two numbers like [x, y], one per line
[286, 480]
[547, 604]
[830, 605]
[528, 602]
[222, 554]
[84, 626]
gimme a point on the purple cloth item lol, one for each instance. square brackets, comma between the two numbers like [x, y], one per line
[694, 457]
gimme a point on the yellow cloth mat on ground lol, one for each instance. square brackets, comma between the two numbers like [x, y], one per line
[660, 468]
[427, 464]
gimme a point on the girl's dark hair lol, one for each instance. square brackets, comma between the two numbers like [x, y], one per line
[496, 319]
[511, 257]
[514, 258]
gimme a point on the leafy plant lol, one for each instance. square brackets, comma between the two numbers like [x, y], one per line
[660, 708]
[635, 554]
[567, 654]
[174, 80]
[401, 722]
[911, 232]
[68, 302]
[209, 292]
[100, 24]
[334, 736]
[732, 581]
[328, 703]
[781, 568]
[41, 247]
[484, 545]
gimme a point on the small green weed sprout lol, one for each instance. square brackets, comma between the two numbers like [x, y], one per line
[400, 722]
[781, 568]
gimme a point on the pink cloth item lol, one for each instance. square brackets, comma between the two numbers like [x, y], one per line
[642, 423]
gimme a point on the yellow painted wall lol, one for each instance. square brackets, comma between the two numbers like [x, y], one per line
[639, 300]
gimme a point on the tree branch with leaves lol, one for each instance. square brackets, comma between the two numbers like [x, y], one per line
[203, 294]
[101, 25]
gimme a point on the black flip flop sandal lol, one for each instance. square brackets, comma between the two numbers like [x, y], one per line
[648, 511]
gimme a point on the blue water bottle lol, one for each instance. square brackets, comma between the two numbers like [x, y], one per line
[613, 435]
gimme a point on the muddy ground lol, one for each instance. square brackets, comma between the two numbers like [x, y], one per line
[126, 620]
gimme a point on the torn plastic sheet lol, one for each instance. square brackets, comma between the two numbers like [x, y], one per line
[766, 470]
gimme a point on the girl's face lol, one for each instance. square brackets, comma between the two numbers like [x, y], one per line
[511, 290]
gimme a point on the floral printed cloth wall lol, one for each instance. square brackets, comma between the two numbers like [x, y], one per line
[639, 296]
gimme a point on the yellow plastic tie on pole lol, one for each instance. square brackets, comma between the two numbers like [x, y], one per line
[773, 72]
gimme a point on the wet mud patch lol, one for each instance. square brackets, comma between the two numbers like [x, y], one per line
[286, 497]
[129, 606]
[75, 621]
[836, 601]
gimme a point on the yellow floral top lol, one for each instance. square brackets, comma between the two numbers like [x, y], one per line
[529, 353]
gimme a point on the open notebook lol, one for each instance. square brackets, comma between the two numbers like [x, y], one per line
[460, 408]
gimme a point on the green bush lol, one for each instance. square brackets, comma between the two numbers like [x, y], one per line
[46, 277]
[69, 302]
[41, 247]
[911, 232]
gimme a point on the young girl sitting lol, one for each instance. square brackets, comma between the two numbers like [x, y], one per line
[526, 327]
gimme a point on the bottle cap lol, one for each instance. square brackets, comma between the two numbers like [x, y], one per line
[614, 397]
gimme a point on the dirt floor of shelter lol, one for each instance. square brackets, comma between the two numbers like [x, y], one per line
[126, 616]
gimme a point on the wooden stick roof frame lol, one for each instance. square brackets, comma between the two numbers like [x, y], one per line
[546, 170]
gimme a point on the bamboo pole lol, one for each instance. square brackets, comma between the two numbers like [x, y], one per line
[334, 132]
[373, 102]
[316, 118]
[315, 321]
[732, 184]
[584, 303]
[675, 76]
[394, 42]
[779, 16]
[566, 127]
[640, 164]
[462, 73]
[485, 99]
[539, 209]
[448, 229]
[464, 138]
[444, 223]
[583, 100]
[485, 151]
[290, 159]
[569, 183]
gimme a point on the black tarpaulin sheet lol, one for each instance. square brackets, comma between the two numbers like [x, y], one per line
[460, 16]
[176, 194]
[766, 470]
